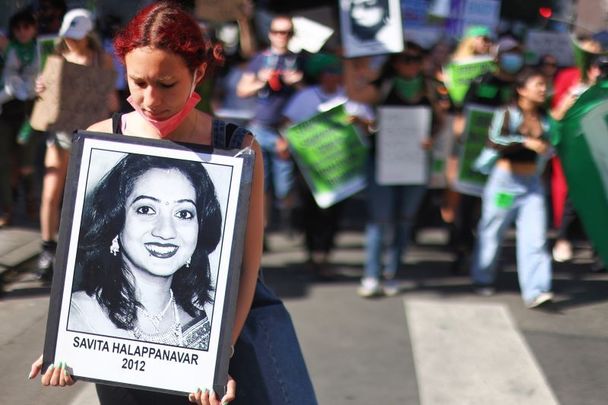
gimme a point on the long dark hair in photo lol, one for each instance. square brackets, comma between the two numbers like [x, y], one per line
[106, 277]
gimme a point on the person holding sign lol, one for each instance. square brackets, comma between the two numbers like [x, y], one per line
[78, 44]
[321, 223]
[392, 208]
[144, 253]
[515, 192]
[165, 57]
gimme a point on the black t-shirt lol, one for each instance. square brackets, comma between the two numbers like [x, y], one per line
[489, 90]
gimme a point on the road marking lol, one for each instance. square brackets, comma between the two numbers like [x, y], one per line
[472, 354]
[87, 395]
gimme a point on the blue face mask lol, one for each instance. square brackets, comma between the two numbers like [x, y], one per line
[511, 62]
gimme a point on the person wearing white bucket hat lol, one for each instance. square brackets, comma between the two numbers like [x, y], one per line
[77, 44]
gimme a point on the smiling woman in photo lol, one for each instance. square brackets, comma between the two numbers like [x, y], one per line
[147, 230]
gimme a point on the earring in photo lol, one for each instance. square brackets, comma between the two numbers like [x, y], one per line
[188, 262]
[115, 247]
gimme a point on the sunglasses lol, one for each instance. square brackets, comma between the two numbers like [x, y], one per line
[282, 32]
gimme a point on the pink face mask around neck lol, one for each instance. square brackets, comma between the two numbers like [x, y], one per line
[167, 126]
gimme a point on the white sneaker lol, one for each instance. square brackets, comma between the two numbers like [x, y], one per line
[542, 298]
[370, 287]
[391, 287]
[562, 251]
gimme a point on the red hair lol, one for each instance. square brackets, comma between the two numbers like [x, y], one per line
[166, 26]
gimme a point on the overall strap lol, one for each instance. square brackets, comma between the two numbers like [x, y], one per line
[227, 135]
[117, 123]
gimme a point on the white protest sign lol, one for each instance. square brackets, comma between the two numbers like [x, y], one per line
[308, 35]
[400, 158]
[558, 44]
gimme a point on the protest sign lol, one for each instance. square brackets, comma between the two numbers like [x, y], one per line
[475, 136]
[45, 47]
[138, 207]
[371, 28]
[400, 158]
[308, 35]
[330, 155]
[460, 74]
[75, 97]
[540, 43]
[442, 147]
[219, 10]
[582, 145]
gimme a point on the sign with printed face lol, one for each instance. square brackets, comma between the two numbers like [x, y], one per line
[147, 268]
[371, 27]
[400, 158]
[330, 155]
[75, 97]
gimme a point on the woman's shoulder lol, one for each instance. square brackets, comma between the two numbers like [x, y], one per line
[102, 126]
[87, 315]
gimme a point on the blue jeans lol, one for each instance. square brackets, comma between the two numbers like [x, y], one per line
[278, 173]
[509, 197]
[392, 210]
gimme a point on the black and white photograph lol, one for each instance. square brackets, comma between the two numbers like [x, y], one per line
[147, 262]
[371, 27]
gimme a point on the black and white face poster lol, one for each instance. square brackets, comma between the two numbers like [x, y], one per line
[371, 27]
[147, 285]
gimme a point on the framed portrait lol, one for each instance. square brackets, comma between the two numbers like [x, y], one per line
[148, 262]
[371, 27]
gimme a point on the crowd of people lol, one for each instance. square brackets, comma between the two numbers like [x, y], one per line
[268, 91]
[273, 88]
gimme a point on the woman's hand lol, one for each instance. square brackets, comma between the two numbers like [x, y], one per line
[539, 146]
[206, 397]
[54, 375]
[39, 85]
[559, 112]
[282, 148]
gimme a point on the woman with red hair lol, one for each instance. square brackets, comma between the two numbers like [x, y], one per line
[166, 56]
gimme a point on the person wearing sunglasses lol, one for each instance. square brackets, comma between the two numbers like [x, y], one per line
[272, 77]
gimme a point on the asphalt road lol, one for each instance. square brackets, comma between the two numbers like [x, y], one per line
[436, 343]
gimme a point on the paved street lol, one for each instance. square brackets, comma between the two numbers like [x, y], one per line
[436, 343]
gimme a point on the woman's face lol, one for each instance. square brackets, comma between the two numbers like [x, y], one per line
[535, 89]
[481, 45]
[367, 13]
[159, 81]
[161, 224]
[408, 65]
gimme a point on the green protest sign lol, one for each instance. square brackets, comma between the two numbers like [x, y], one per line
[581, 140]
[475, 136]
[330, 155]
[46, 47]
[459, 75]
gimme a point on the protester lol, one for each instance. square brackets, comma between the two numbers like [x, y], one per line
[515, 192]
[392, 209]
[78, 44]
[272, 77]
[321, 225]
[165, 56]
[16, 101]
[477, 41]
[493, 90]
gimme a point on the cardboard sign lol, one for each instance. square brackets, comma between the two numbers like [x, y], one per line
[219, 10]
[330, 155]
[75, 96]
[46, 47]
[308, 35]
[400, 158]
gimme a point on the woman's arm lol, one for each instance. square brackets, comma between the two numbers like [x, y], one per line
[254, 236]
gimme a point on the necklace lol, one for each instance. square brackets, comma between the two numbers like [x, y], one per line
[156, 318]
[172, 336]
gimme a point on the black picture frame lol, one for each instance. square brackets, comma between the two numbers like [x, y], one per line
[98, 350]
